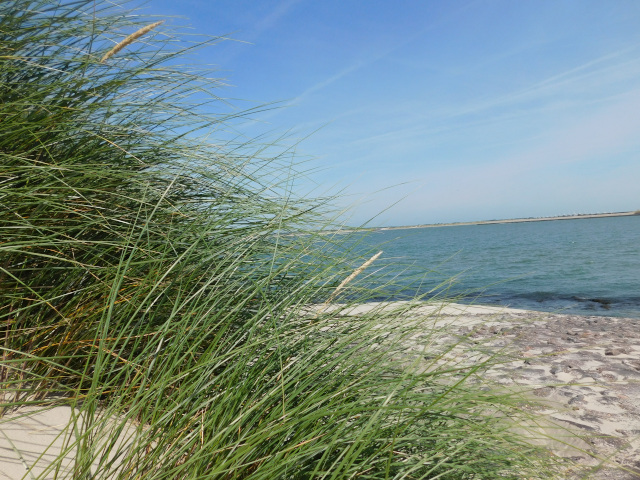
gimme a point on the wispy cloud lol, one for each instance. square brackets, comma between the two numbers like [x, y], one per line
[364, 62]
[268, 22]
[273, 18]
[595, 81]
[334, 78]
[596, 138]
[579, 75]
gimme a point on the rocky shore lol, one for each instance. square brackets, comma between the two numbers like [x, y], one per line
[582, 374]
[585, 370]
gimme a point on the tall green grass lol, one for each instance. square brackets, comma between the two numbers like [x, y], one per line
[159, 283]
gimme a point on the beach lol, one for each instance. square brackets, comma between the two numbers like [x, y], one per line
[585, 369]
[584, 372]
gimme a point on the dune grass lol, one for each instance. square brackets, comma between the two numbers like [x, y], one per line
[158, 283]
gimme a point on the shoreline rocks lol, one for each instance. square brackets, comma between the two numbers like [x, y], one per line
[585, 370]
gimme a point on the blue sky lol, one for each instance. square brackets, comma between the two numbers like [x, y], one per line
[441, 110]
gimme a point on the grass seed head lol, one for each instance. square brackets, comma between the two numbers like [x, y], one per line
[129, 40]
[356, 272]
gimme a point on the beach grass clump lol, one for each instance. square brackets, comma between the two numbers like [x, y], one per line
[158, 284]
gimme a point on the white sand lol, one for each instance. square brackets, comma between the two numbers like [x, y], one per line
[32, 438]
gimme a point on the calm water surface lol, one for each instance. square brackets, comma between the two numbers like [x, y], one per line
[585, 266]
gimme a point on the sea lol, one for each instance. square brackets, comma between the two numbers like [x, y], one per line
[587, 266]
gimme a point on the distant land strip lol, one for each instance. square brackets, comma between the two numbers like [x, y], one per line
[511, 220]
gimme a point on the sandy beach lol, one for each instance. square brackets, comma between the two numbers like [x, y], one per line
[584, 370]
[587, 372]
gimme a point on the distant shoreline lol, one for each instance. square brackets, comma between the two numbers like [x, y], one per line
[512, 220]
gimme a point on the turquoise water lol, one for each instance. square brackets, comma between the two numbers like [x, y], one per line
[584, 266]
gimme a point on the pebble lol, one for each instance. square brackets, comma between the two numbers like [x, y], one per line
[613, 351]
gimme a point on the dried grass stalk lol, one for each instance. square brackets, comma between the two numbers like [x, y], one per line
[355, 273]
[129, 40]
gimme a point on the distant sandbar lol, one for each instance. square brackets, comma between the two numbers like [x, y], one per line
[515, 220]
